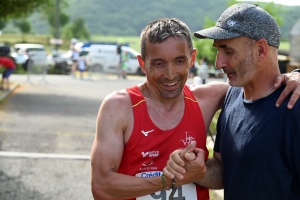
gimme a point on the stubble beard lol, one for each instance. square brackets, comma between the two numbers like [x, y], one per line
[245, 71]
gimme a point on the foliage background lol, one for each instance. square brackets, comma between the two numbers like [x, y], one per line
[122, 21]
[128, 18]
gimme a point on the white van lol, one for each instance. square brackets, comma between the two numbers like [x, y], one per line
[103, 58]
[21, 51]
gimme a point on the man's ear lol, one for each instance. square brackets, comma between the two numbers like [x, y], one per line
[193, 57]
[262, 49]
[141, 63]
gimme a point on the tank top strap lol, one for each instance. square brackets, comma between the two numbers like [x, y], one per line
[135, 95]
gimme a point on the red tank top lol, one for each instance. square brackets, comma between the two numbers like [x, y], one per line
[148, 148]
[7, 63]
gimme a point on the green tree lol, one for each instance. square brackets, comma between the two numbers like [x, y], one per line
[20, 8]
[77, 29]
[50, 14]
[205, 47]
[2, 23]
[64, 19]
[24, 27]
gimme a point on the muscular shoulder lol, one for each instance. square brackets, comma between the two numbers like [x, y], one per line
[116, 102]
[115, 116]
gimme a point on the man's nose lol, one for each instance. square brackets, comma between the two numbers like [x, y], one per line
[170, 71]
[220, 61]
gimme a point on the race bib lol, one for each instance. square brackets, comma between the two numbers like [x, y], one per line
[184, 192]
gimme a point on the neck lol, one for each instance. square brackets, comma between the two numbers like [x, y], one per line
[260, 88]
[170, 113]
[163, 103]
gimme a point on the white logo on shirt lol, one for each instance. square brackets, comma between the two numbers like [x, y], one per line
[146, 164]
[151, 154]
[147, 132]
[187, 138]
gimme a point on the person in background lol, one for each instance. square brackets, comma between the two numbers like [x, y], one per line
[125, 64]
[75, 57]
[81, 65]
[9, 65]
[119, 60]
[203, 71]
[257, 143]
[138, 127]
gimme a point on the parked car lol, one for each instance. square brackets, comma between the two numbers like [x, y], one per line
[22, 53]
[60, 61]
[103, 58]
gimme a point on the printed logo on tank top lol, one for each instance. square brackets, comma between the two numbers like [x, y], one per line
[148, 166]
[186, 138]
[146, 133]
[150, 154]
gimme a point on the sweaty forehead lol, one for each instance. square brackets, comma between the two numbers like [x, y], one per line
[171, 47]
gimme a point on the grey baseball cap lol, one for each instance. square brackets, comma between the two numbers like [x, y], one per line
[244, 20]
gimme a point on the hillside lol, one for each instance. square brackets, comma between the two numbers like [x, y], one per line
[128, 18]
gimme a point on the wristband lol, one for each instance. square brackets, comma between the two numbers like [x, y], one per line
[164, 182]
[296, 70]
[173, 183]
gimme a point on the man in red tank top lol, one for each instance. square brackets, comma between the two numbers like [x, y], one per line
[139, 127]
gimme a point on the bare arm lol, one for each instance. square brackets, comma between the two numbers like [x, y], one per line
[210, 98]
[113, 123]
[214, 173]
[291, 80]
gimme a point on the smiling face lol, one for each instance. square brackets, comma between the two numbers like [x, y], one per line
[166, 66]
[236, 58]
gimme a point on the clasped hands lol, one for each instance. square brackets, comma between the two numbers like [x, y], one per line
[187, 165]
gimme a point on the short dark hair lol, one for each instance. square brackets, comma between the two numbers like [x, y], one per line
[161, 29]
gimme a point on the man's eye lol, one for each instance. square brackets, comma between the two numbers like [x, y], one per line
[158, 64]
[228, 51]
[180, 61]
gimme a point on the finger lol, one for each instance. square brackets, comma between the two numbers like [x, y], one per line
[176, 157]
[167, 173]
[294, 88]
[280, 80]
[200, 159]
[190, 148]
[294, 98]
[292, 82]
[189, 156]
[173, 170]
